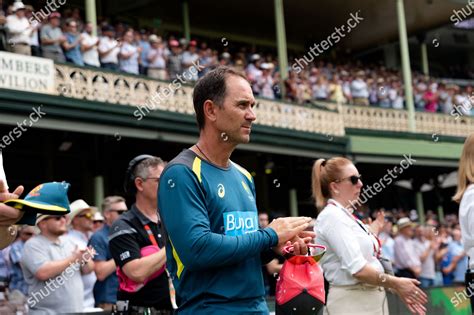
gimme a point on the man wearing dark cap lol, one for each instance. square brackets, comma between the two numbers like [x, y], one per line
[137, 244]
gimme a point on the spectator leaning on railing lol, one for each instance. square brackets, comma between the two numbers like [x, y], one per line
[72, 45]
[89, 44]
[129, 54]
[19, 29]
[157, 58]
[109, 49]
[347, 83]
[52, 38]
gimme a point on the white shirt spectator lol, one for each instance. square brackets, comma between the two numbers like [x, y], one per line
[89, 279]
[346, 89]
[91, 56]
[253, 72]
[159, 62]
[359, 89]
[320, 91]
[445, 101]
[349, 247]
[466, 221]
[464, 104]
[105, 44]
[265, 84]
[19, 30]
[396, 99]
[405, 253]
[129, 65]
[190, 58]
[428, 270]
[387, 245]
[34, 38]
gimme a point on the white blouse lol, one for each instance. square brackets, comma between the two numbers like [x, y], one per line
[348, 247]
[466, 220]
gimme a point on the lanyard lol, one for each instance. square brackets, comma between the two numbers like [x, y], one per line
[152, 238]
[377, 245]
[150, 235]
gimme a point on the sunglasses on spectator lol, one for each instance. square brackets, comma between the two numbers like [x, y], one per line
[119, 211]
[56, 217]
[87, 215]
[354, 179]
[156, 179]
[28, 233]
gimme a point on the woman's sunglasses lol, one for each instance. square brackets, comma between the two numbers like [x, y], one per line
[354, 179]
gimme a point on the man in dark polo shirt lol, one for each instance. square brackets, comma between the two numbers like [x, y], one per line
[105, 289]
[137, 246]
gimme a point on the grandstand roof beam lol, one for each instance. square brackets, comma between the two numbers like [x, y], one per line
[91, 15]
[424, 59]
[281, 43]
[424, 54]
[186, 24]
[406, 70]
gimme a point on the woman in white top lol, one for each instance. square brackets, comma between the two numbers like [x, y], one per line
[355, 275]
[465, 197]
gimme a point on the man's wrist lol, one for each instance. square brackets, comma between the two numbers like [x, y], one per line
[273, 236]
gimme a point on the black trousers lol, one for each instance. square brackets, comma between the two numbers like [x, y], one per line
[407, 273]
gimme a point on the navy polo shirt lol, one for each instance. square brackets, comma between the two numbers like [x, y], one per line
[104, 291]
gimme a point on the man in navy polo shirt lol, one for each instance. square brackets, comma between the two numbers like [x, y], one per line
[105, 289]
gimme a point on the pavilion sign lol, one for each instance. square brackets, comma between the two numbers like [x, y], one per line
[26, 73]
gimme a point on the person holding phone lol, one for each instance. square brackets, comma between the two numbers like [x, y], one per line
[465, 197]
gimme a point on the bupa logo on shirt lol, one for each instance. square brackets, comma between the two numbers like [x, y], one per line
[240, 222]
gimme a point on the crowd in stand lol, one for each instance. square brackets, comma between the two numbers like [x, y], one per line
[122, 48]
[432, 252]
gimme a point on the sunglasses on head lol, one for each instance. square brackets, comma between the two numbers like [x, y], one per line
[354, 179]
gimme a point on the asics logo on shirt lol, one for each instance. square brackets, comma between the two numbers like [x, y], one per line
[220, 190]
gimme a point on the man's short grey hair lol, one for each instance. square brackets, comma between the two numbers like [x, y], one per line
[109, 201]
[142, 170]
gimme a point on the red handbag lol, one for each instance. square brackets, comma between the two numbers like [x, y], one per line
[300, 286]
